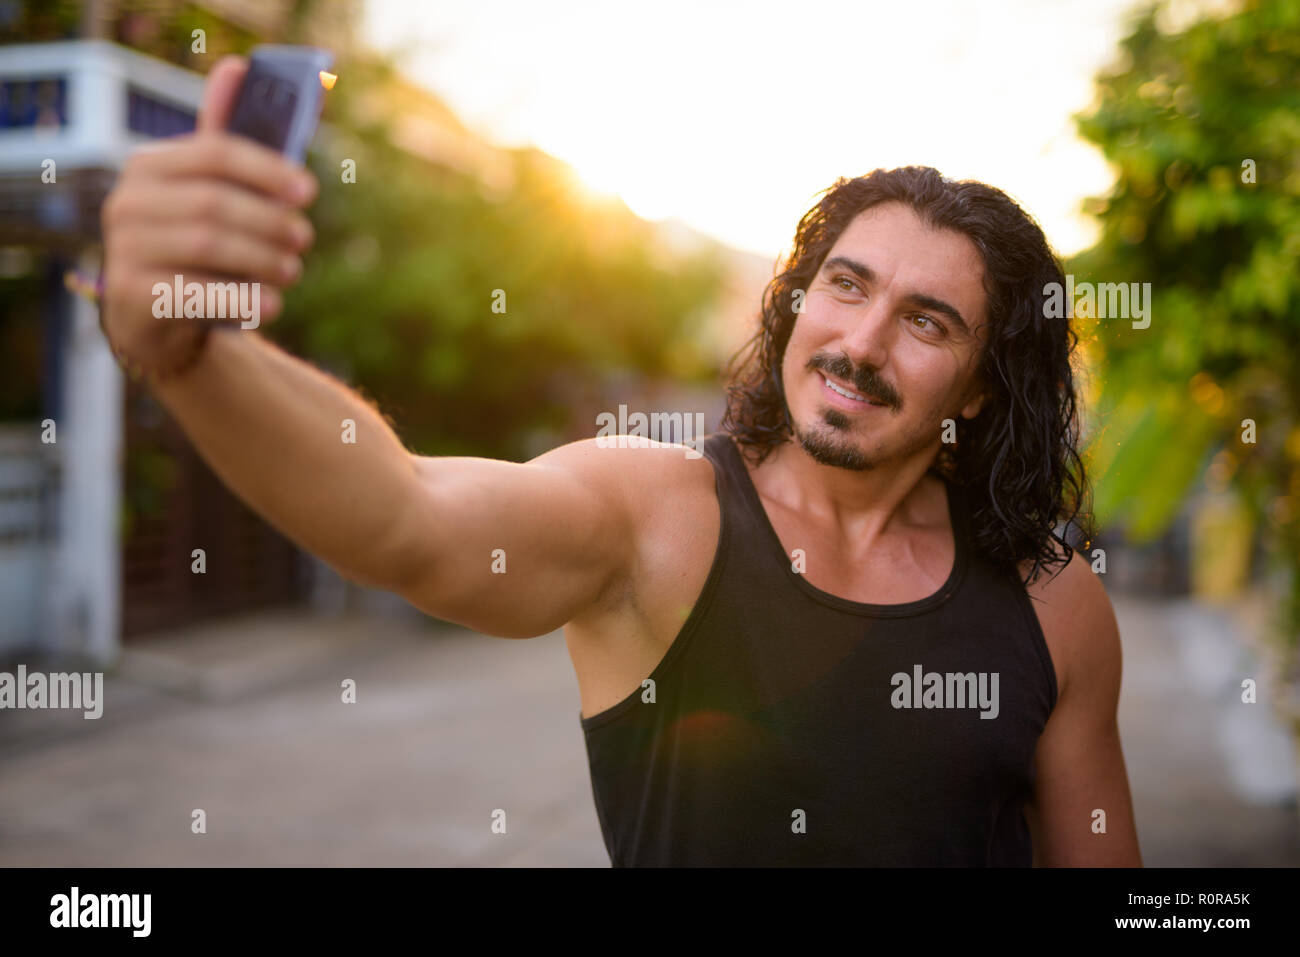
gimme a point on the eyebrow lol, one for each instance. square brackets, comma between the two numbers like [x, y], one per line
[867, 275]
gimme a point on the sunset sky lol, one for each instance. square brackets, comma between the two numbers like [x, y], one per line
[732, 116]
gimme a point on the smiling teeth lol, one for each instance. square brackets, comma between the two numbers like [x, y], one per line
[844, 392]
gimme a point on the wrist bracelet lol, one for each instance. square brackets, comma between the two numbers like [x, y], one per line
[135, 371]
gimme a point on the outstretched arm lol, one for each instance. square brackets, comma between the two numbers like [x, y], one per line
[304, 451]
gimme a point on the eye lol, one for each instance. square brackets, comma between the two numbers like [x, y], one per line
[850, 284]
[926, 323]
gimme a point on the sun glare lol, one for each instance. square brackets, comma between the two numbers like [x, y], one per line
[732, 117]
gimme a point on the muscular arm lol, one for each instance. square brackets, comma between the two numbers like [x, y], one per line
[515, 550]
[302, 449]
[1080, 765]
[272, 428]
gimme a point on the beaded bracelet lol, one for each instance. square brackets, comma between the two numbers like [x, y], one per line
[135, 371]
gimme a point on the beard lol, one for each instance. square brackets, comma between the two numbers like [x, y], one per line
[829, 444]
[830, 441]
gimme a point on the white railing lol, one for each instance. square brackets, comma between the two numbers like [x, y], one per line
[98, 77]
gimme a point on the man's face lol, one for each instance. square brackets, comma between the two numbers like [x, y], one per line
[893, 316]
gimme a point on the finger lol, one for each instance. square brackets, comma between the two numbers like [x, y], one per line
[220, 203]
[199, 246]
[227, 156]
[220, 92]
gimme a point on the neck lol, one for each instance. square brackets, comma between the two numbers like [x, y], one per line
[863, 504]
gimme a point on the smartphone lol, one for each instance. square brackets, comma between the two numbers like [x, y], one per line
[280, 102]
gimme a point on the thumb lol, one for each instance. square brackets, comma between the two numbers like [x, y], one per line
[220, 92]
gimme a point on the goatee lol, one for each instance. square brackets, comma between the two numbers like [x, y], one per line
[827, 448]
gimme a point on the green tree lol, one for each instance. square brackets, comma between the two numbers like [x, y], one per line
[1202, 127]
[400, 289]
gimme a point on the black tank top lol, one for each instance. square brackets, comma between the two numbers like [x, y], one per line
[792, 727]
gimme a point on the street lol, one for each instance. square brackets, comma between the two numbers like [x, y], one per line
[245, 720]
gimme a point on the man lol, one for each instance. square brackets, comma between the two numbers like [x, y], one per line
[814, 646]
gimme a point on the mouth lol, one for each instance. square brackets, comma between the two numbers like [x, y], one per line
[847, 395]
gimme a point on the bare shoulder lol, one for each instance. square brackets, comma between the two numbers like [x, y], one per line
[641, 476]
[665, 502]
[670, 514]
[1078, 623]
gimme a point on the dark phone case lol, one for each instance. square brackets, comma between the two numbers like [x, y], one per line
[280, 101]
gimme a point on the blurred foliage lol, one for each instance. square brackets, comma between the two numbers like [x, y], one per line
[1178, 120]
[38, 21]
[398, 291]
[159, 28]
[397, 297]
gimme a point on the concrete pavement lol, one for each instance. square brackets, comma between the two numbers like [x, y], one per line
[244, 719]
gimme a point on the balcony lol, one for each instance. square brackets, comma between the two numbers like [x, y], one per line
[70, 113]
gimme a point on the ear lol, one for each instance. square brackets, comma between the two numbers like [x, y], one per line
[975, 403]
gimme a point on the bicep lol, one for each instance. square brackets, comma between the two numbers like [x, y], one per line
[512, 549]
[1082, 811]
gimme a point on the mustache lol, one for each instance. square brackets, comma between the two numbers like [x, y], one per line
[866, 382]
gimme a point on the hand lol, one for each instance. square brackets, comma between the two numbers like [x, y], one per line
[210, 206]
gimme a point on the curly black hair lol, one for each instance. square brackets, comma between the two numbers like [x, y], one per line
[1017, 462]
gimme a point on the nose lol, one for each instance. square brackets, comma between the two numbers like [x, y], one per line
[870, 338]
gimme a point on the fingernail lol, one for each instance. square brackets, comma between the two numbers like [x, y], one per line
[303, 187]
[291, 268]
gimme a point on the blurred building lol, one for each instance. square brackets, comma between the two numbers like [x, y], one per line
[101, 496]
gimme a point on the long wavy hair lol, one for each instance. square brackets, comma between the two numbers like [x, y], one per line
[1017, 462]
